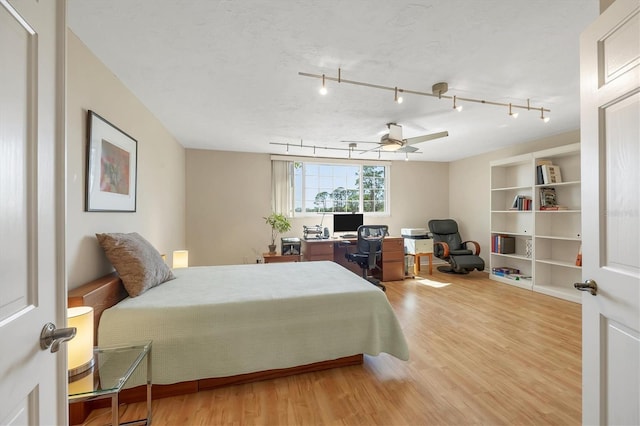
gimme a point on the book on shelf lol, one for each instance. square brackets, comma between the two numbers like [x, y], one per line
[521, 202]
[551, 174]
[548, 198]
[539, 163]
[579, 256]
[503, 244]
[504, 271]
[556, 207]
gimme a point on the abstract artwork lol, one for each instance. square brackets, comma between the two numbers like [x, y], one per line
[111, 167]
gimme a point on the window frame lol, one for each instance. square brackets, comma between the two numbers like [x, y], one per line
[339, 162]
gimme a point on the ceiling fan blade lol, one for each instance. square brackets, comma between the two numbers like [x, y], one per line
[424, 138]
[407, 148]
[369, 150]
[360, 142]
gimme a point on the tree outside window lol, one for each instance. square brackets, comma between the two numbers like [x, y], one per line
[340, 188]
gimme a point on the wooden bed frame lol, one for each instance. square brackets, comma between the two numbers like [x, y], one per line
[105, 292]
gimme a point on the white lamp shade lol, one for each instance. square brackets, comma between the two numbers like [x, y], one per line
[80, 348]
[180, 259]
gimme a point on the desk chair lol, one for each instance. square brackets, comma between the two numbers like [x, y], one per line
[368, 250]
[448, 246]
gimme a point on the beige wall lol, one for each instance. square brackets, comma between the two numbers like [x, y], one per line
[160, 215]
[469, 184]
[604, 4]
[228, 193]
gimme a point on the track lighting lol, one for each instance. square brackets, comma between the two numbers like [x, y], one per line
[353, 147]
[512, 114]
[397, 98]
[542, 117]
[456, 107]
[438, 91]
[323, 89]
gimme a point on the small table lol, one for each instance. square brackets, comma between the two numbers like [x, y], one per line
[113, 366]
[416, 262]
[279, 258]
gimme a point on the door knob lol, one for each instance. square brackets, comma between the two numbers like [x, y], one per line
[51, 337]
[588, 285]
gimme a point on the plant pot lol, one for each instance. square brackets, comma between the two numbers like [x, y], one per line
[272, 249]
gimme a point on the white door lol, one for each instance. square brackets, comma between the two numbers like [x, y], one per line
[610, 133]
[32, 289]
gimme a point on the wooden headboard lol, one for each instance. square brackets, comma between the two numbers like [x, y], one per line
[100, 294]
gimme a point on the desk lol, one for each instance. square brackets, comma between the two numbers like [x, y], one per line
[112, 369]
[279, 258]
[391, 266]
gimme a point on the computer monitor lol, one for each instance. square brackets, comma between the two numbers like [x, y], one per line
[347, 222]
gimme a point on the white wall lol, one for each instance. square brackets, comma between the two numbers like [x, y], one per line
[160, 215]
[469, 183]
[228, 193]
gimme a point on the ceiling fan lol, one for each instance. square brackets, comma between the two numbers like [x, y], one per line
[393, 140]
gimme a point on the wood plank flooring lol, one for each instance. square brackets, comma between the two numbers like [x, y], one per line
[482, 352]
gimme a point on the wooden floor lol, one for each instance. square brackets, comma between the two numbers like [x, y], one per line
[482, 352]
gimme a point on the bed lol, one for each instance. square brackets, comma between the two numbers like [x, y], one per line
[212, 326]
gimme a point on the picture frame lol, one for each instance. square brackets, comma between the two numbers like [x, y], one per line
[112, 167]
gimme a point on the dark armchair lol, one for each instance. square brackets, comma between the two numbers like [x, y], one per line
[368, 249]
[448, 245]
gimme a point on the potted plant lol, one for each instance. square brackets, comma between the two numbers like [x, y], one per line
[279, 224]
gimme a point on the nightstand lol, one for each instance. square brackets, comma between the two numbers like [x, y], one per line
[113, 366]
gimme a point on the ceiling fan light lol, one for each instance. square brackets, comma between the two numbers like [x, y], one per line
[391, 147]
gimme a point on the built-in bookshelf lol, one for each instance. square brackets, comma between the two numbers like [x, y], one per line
[542, 215]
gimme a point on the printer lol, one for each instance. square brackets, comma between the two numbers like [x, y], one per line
[416, 240]
[416, 233]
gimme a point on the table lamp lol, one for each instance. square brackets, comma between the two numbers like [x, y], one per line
[181, 259]
[80, 348]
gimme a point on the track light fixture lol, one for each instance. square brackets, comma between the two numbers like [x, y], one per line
[396, 98]
[353, 147]
[323, 89]
[512, 114]
[456, 107]
[438, 91]
[542, 117]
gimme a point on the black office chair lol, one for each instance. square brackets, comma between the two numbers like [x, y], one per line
[368, 250]
[448, 245]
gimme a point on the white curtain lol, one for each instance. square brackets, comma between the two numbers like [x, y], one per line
[282, 187]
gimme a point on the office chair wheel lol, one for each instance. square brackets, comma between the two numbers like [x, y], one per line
[377, 283]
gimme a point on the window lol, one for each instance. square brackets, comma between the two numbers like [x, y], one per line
[325, 187]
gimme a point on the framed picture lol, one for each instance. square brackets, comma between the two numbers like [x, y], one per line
[112, 158]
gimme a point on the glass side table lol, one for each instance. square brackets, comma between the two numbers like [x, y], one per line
[113, 366]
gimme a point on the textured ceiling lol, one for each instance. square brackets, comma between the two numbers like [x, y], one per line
[224, 74]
